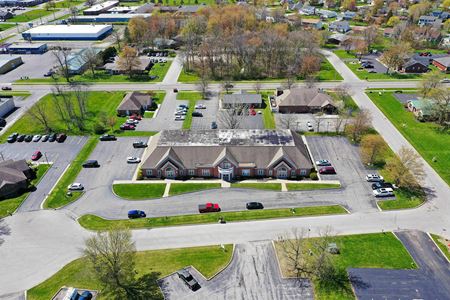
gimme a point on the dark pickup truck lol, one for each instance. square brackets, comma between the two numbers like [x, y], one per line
[208, 207]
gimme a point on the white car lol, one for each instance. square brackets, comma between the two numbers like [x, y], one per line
[445, 80]
[75, 187]
[180, 113]
[200, 106]
[180, 118]
[310, 127]
[133, 160]
[374, 178]
[323, 163]
[132, 122]
[383, 192]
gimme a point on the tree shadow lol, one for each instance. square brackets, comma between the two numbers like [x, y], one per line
[145, 288]
[4, 230]
[358, 282]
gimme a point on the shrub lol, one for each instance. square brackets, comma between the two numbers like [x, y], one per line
[313, 176]
[99, 128]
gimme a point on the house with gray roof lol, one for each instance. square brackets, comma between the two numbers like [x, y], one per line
[241, 98]
[134, 103]
[304, 100]
[339, 26]
[226, 154]
[442, 63]
[14, 177]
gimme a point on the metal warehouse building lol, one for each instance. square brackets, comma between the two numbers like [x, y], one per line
[108, 18]
[28, 48]
[100, 8]
[6, 105]
[8, 63]
[68, 32]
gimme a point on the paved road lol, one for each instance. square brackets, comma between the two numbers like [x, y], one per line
[430, 281]
[164, 118]
[253, 274]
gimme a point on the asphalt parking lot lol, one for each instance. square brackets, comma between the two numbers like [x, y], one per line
[252, 274]
[60, 154]
[377, 66]
[164, 119]
[209, 114]
[34, 66]
[430, 281]
[350, 171]
[298, 122]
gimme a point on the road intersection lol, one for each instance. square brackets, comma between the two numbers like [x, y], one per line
[42, 242]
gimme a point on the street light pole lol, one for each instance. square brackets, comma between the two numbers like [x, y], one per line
[46, 159]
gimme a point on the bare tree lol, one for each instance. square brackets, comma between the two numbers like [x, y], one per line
[81, 94]
[289, 82]
[227, 85]
[407, 170]
[203, 85]
[129, 60]
[288, 121]
[39, 111]
[441, 107]
[319, 121]
[4, 230]
[293, 248]
[117, 36]
[257, 86]
[360, 124]
[90, 2]
[92, 60]
[62, 57]
[74, 12]
[232, 118]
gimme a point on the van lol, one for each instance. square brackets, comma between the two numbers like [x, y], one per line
[134, 214]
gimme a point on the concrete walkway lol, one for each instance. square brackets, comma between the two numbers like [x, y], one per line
[174, 71]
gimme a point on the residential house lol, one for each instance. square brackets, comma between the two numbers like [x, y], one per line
[77, 62]
[312, 23]
[338, 38]
[134, 103]
[426, 20]
[227, 154]
[307, 10]
[327, 14]
[442, 63]
[144, 66]
[415, 66]
[241, 98]
[421, 108]
[349, 15]
[304, 100]
[339, 26]
[387, 32]
[14, 177]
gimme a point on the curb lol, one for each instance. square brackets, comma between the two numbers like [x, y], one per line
[437, 246]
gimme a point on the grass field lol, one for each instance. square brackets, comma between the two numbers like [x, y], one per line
[311, 186]
[24, 94]
[97, 103]
[68, 3]
[9, 206]
[268, 118]
[426, 137]
[30, 15]
[378, 250]
[208, 260]
[159, 70]
[139, 191]
[192, 97]
[6, 26]
[258, 186]
[442, 244]
[403, 199]
[189, 95]
[58, 197]
[182, 188]
[92, 222]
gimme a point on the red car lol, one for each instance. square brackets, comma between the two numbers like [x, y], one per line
[327, 170]
[136, 117]
[36, 155]
[127, 127]
[208, 207]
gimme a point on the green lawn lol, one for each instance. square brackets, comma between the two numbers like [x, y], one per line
[403, 199]
[6, 26]
[182, 188]
[208, 260]
[58, 197]
[440, 242]
[24, 94]
[93, 222]
[268, 118]
[159, 70]
[139, 191]
[426, 137]
[149, 114]
[30, 15]
[378, 250]
[9, 206]
[311, 186]
[97, 103]
[192, 97]
[258, 186]
[188, 77]
[68, 3]
[189, 95]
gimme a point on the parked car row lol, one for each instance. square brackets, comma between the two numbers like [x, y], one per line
[380, 188]
[131, 123]
[180, 112]
[159, 54]
[326, 167]
[16, 137]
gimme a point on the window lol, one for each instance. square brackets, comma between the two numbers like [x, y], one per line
[181, 172]
[245, 172]
[260, 172]
[226, 165]
[159, 173]
[270, 172]
[170, 172]
[205, 172]
[191, 172]
[302, 172]
[292, 172]
[149, 172]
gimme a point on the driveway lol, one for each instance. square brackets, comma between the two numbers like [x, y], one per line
[61, 154]
[430, 281]
[252, 274]
[378, 67]
[164, 119]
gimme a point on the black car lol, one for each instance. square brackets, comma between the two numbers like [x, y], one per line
[91, 164]
[52, 137]
[188, 279]
[2, 122]
[213, 125]
[139, 144]
[368, 66]
[382, 184]
[254, 205]
[28, 138]
[60, 138]
[197, 114]
[21, 138]
[108, 137]
[134, 214]
[12, 138]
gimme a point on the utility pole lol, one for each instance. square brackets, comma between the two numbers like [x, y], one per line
[1, 154]
[46, 159]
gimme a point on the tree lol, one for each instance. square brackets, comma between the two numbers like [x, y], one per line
[406, 170]
[112, 256]
[4, 230]
[108, 53]
[90, 2]
[92, 60]
[203, 85]
[227, 85]
[39, 111]
[360, 47]
[371, 146]
[62, 57]
[440, 107]
[370, 35]
[394, 20]
[257, 86]
[50, 5]
[419, 9]
[361, 123]
[112, 121]
[349, 5]
[73, 12]
[395, 56]
[288, 121]
[129, 60]
[430, 82]
[117, 39]
[232, 118]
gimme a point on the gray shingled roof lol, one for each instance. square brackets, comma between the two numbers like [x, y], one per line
[443, 61]
[245, 152]
[304, 97]
[12, 171]
[242, 98]
[135, 101]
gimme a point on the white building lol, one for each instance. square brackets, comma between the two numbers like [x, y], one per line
[6, 106]
[68, 32]
[100, 8]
